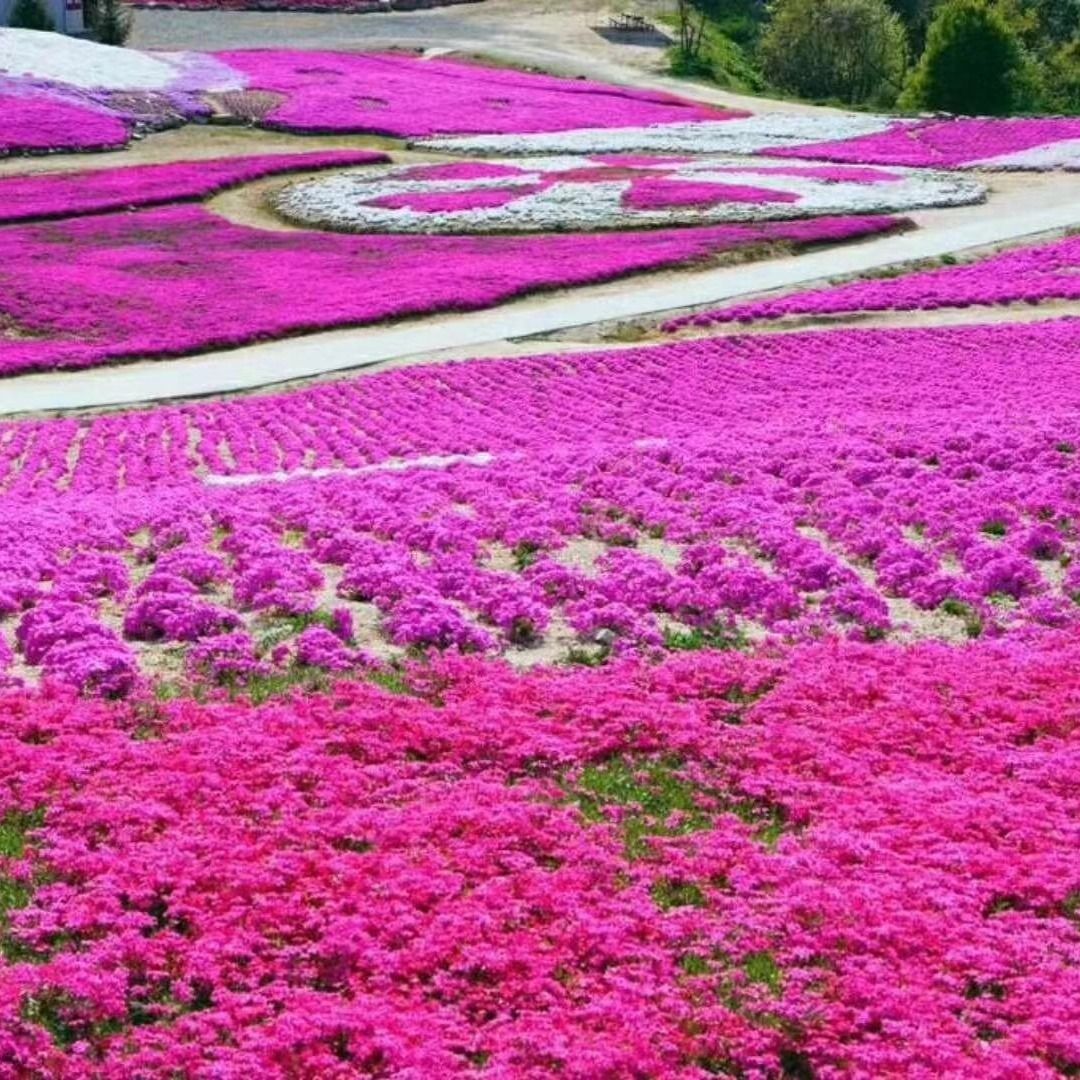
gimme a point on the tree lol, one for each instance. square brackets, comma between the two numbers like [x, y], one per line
[973, 63]
[690, 22]
[30, 15]
[851, 50]
[112, 22]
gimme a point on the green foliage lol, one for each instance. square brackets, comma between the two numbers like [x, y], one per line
[723, 52]
[697, 638]
[853, 51]
[1060, 84]
[973, 63]
[112, 22]
[30, 15]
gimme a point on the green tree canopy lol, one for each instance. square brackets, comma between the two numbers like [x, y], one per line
[851, 50]
[972, 64]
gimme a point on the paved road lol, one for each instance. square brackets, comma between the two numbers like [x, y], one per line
[555, 35]
[1025, 206]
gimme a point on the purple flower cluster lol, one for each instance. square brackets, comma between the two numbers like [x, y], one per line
[869, 483]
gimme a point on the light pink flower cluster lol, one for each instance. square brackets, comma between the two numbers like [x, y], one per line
[96, 191]
[162, 282]
[906, 484]
[842, 861]
[1029, 275]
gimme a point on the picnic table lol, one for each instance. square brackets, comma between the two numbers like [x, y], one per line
[627, 21]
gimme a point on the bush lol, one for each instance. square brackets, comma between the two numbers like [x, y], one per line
[973, 63]
[850, 50]
[30, 15]
[1061, 79]
[112, 22]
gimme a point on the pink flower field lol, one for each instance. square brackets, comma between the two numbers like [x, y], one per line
[1031, 275]
[72, 194]
[961, 142]
[908, 485]
[176, 279]
[703, 706]
[842, 861]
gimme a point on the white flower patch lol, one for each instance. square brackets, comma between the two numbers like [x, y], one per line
[1057, 155]
[581, 195]
[85, 65]
[748, 135]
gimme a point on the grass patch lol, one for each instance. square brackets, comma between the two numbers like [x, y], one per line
[697, 638]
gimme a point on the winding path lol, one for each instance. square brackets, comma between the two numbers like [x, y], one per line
[1021, 207]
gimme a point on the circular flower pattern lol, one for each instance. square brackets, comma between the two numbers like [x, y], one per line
[594, 193]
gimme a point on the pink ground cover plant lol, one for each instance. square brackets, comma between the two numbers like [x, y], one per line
[1030, 275]
[40, 122]
[900, 485]
[179, 279]
[842, 861]
[951, 143]
[397, 95]
[96, 191]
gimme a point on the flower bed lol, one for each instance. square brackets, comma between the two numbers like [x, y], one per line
[558, 194]
[174, 280]
[401, 95]
[843, 860]
[67, 194]
[959, 143]
[39, 122]
[736, 135]
[1030, 275]
[1018, 143]
[360, 93]
[904, 484]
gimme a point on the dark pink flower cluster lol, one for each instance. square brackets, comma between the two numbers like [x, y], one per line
[1030, 275]
[387, 94]
[37, 121]
[905, 484]
[839, 861]
[96, 191]
[172, 280]
[952, 143]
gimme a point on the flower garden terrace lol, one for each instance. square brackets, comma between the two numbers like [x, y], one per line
[903, 484]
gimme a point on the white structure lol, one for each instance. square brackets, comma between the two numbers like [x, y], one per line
[67, 15]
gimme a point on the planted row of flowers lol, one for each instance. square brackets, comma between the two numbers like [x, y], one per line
[840, 861]
[958, 143]
[1030, 275]
[553, 194]
[917, 484]
[97, 191]
[179, 279]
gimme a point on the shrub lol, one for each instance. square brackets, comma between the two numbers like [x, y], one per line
[30, 15]
[973, 63]
[112, 22]
[851, 50]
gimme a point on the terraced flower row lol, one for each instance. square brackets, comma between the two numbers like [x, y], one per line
[839, 861]
[95, 191]
[553, 194]
[916, 484]
[1031, 275]
[162, 282]
[959, 143]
